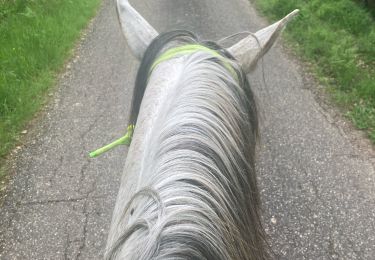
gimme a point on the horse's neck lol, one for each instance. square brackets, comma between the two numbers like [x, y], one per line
[160, 89]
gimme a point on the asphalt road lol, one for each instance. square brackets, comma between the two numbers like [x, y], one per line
[317, 181]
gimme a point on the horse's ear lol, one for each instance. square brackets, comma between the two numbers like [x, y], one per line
[138, 32]
[250, 49]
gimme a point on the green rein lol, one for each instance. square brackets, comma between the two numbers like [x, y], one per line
[169, 54]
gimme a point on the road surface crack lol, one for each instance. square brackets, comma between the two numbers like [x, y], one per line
[60, 163]
[69, 200]
[85, 222]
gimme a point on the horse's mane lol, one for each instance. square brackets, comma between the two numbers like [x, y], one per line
[201, 200]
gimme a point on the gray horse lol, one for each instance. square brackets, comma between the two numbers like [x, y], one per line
[192, 151]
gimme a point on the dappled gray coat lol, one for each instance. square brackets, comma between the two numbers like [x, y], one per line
[194, 193]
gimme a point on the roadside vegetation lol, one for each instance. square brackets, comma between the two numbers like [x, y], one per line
[36, 37]
[338, 38]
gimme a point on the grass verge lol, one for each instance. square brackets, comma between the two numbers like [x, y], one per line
[36, 38]
[338, 38]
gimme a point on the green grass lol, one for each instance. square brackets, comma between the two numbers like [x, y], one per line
[36, 38]
[338, 38]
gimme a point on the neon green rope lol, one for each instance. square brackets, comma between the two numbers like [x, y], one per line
[191, 48]
[169, 54]
[125, 140]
